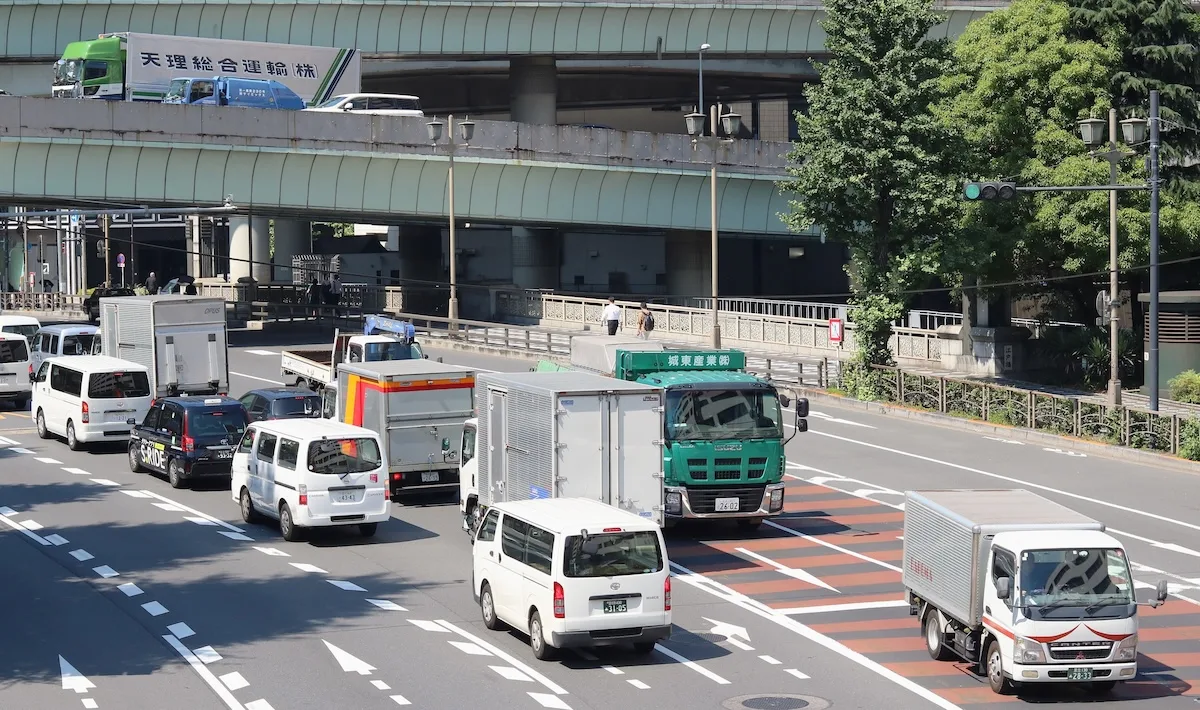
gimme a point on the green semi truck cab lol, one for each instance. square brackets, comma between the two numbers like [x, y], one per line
[724, 430]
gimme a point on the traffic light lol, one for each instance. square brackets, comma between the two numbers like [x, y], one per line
[990, 190]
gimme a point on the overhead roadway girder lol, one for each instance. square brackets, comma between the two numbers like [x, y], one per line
[417, 28]
[350, 186]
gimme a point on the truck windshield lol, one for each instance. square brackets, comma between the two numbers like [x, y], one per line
[377, 352]
[1078, 577]
[175, 93]
[698, 415]
[612, 554]
[338, 456]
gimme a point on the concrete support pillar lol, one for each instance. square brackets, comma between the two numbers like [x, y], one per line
[689, 264]
[533, 83]
[420, 249]
[250, 241]
[536, 260]
[292, 237]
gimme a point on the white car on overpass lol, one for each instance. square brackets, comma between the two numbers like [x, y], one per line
[374, 104]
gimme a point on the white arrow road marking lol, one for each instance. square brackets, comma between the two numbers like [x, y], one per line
[789, 571]
[73, 679]
[730, 632]
[349, 663]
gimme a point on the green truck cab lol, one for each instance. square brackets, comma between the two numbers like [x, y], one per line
[724, 430]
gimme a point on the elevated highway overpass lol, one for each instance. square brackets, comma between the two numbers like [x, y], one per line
[336, 167]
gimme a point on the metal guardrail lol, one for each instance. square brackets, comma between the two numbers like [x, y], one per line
[25, 301]
[1175, 432]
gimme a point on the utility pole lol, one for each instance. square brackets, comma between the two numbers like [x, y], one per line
[107, 261]
[25, 282]
[1152, 363]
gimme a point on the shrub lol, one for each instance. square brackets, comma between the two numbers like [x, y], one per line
[1185, 387]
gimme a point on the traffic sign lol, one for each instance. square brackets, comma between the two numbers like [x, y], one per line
[120, 261]
[835, 330]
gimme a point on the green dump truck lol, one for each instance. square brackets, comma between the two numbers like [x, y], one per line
[724, 430]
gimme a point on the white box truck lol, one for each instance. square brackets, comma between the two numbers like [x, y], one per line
[135, 66]
[1028, 590]
[182, 340]
[565, 435]
[418, 408]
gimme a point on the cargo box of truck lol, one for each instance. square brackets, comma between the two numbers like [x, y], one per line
[418, 408]
[948, 534]
[182, 340]
[570, 434]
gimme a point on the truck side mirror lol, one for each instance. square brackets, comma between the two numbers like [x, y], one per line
[784, 400]
[802, 407]
[1004, 588]
[1162, 591]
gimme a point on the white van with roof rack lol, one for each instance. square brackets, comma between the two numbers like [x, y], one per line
[572, 572]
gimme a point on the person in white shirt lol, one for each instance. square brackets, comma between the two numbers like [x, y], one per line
[612, 316]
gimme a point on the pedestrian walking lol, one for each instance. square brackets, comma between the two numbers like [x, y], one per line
[152, 284]
[611, 316]
[335, 293]
[645, 322]
[312, 296]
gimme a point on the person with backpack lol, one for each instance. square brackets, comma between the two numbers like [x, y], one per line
[645, 322]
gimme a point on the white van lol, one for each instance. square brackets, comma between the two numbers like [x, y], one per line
[311, 473]
[572, 572]
[89, 398]
[62, 339]
[14, 369]
[22, 325]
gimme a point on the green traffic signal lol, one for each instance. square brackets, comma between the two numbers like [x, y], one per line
[990, 190]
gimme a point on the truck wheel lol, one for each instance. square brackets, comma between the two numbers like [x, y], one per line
[1102, 687]
[995, 670]
[487, 606]
[750, 524]
[537, 639]
[935, 640]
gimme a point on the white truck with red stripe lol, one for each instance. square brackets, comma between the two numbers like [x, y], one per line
[1028, 590]
[418, 408]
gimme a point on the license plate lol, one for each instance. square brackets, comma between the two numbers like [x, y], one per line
[345, 498]
[617, 606]
[1079, 674]
[728, 505]
[430, 477]
[6, 377]
[225, 454]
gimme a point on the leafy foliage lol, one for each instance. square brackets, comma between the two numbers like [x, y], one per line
[874, 166]
[1185, 387]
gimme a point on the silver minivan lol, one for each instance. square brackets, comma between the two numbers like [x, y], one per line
[62, 339]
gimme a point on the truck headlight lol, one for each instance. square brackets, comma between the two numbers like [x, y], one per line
[1028, 651]
[776, 500]
[674, 502]
[1127, 648]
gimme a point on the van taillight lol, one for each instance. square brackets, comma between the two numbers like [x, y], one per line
[189, 444]
[302, 489]
[387, 491]
[84, 416]
[667, 593]
[560, 602]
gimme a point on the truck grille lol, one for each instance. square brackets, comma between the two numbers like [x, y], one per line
[726, 469]
[704, 500]
[1080, 650]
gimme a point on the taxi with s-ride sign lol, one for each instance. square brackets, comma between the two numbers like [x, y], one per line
[188, 438]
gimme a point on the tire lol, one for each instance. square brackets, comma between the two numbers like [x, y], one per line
[487, 606]
[1102, 687]
[935, 642]
[995, 670]
[73, 442]
[21, 404]
[537, 639]
[644, 648]
[175, 474]
[750, 524]
[368, 529]
[287, 526]
[135, 459]
[43, 432]
[249, 514]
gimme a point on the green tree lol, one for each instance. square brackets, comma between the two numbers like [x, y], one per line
[1159, 46]
[874, 167]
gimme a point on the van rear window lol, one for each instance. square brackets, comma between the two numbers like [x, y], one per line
[13, 351]
[338, 456]
[612, 554]
[118, 385]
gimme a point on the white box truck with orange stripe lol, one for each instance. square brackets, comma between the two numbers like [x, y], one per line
[1028, 590]
[418, 408]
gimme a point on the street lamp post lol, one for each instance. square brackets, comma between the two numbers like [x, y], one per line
[732, 124]
[467, 132]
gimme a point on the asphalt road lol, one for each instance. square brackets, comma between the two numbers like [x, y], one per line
[154, 597]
